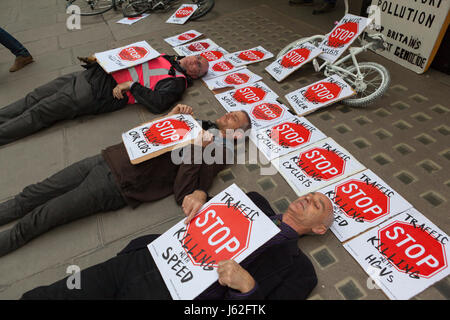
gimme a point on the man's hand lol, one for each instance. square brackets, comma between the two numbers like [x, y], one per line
[181, 109]
[192, 203]
[204, 138]
[231, 274]
[121, 88]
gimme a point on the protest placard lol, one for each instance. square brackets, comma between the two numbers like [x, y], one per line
[403, 256]
[218, 68]
[195, 47]
[182, 14]
[214, 55]
[132, 20]
[183, 38]
[286, 136]
[233, 79]
[228, 227]
[342, 36]
[151, 139]
[319, 94]
[292, 60]
[316, 166]
[361, 202]
[242, 58]
[126, 57]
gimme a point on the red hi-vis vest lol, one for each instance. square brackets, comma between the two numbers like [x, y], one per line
[147, 74]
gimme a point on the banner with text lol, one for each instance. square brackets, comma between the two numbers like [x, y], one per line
[245, 57]
[183, 13]
[232, 80]
[183, 38]
[195, 47]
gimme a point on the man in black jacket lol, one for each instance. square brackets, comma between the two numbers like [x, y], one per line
[93, 91]
[277, 270]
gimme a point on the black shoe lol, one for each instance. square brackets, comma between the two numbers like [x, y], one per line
[324, 8]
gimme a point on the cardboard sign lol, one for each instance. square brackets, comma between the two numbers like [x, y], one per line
[214, 54]
[242, 58]
[362, 201]
[246, 96]
[413, 29]
[159, 136]
[195, 47]
[125, 57]
[342, 36]
[229, 226]
[130, 21]
[183, 13]
[319, 94]
[292, 61]
[316, 166]
[218, 68]
[232, 80]
[183, 38]
[403, 256]
[286, 136]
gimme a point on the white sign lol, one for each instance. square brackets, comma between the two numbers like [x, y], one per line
[266, 113]
[319, 94]
[125, 57]
[246, 96]
[252, 55]
[228, 227]
[413, 30]
[214, 54]
[403, 256]
[153, 138]
[292, 60]
[218, 68]
[195, 47]
[316, 166]
[286, 136]
[183, 13]
[130, 21]
[362, 201]
[342, 36]
[233, 79]
[183, 38]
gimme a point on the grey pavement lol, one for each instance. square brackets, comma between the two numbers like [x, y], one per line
[403, 137]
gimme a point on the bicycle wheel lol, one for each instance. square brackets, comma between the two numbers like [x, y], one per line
[135, 8]
[204, 6]
[375, 82]
[315, 40]
[91, 7]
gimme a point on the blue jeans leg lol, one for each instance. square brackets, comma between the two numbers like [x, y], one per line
[12, 44]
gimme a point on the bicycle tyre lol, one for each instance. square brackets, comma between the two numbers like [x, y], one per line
[204, 6]
[135, 8]
[315, 40]
[364, 101]
[84, 11]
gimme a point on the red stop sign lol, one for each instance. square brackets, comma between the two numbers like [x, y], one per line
[167, 131]
[237, 78]
[267, 111]
[212, 55]
[222, 66]
[414, 250]
[198, 46]
[249, 95]
[321, 163]
[322, 92]
[251, 55]
[222, 232]
[132, 53]
[294, 57]
[186, 36]
[184, 12]
[343, 34]
[365, 199]
[290, 134]
[135, 18]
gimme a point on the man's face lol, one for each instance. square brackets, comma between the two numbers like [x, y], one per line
[232, 120]
[195, 66]
[313, 210]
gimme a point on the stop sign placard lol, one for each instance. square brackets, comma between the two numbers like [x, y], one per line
[167, 131]
[366, 199]
[237, 78]
[198, 46]
[249, 95]
[251, 55]
[222, 66]
[343, 34]
[267, 111]
[223, 232]
[413, 246]
[132, 53]
[212, 55]
[187, 36]
[184, 12]
[321, 163]
[295, 57]
[290, 134]
[322, 92]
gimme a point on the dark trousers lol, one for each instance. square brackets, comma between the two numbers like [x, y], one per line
[64, 98]
[82, 189]
[12, 44]
[133, 275]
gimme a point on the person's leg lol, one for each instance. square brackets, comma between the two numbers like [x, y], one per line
[97, 193]
[37, 194]
[12, 44]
